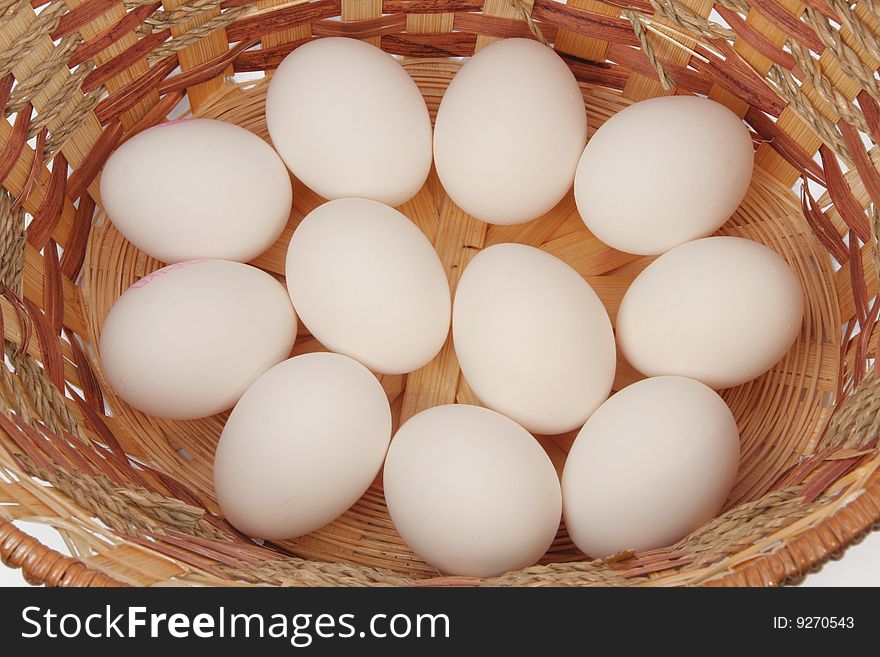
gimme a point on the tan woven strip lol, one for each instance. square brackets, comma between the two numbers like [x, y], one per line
[742, 524]
[526, 12]
[849, 60]
[665, 81]
[785, 85]
[857, 420]
[862, 34]
[45, 23]
[742, 6]
[127, 510]
[10, 392]
[58, 102]
[813, 74]
[299, 572]
[9, 8]
[75, 118]
[81, 113]
[12, 243]
[25, 90]
[872, 5]
[688, 19]
[46, 400]
[165, 20]
[198, 33]
[579, 573]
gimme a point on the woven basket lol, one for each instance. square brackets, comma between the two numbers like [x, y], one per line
[132, 496]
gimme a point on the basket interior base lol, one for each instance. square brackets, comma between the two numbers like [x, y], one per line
[780, 415]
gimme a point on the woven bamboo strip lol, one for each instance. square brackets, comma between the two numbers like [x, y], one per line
[60, 103]
[639, 87]
[17, 179]
[775, 36]
[537, 232]
[457, 237]
[502, 9]
[429, 23]
[34, 276]
[203, 50]
[844, 284]
[460, 237]
[129, 74]
[15, 334]
[573, 43]
[422, 209]
[289, 35]
[358, 10]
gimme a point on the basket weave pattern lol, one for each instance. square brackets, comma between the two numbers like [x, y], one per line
[131, 495]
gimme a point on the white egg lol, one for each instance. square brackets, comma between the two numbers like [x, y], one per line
[722, 310]
[302, 446]
[663, 172]
[532, 337]
[197, 188]
[471, 492]
[186, 341]
[349, 121]
[368, 284]
[652, 464]
[509, 132]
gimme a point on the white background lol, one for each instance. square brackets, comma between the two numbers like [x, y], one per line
[860, 565]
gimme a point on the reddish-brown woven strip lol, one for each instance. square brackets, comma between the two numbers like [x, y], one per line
[599, 26]
[784, 144]
[125, 25]
[283, 19]
[388, 24]
[842, 195]
[79, 16]
[430, 6]
[133, 92]
[867, 171]
[452, 44]
[500, 27]
[635, 60]
[49, 212]
[755, 39]
[206, 71]
[50, 349]
[53, 297]
[88, 169]
[12, 150]
[789, 23]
